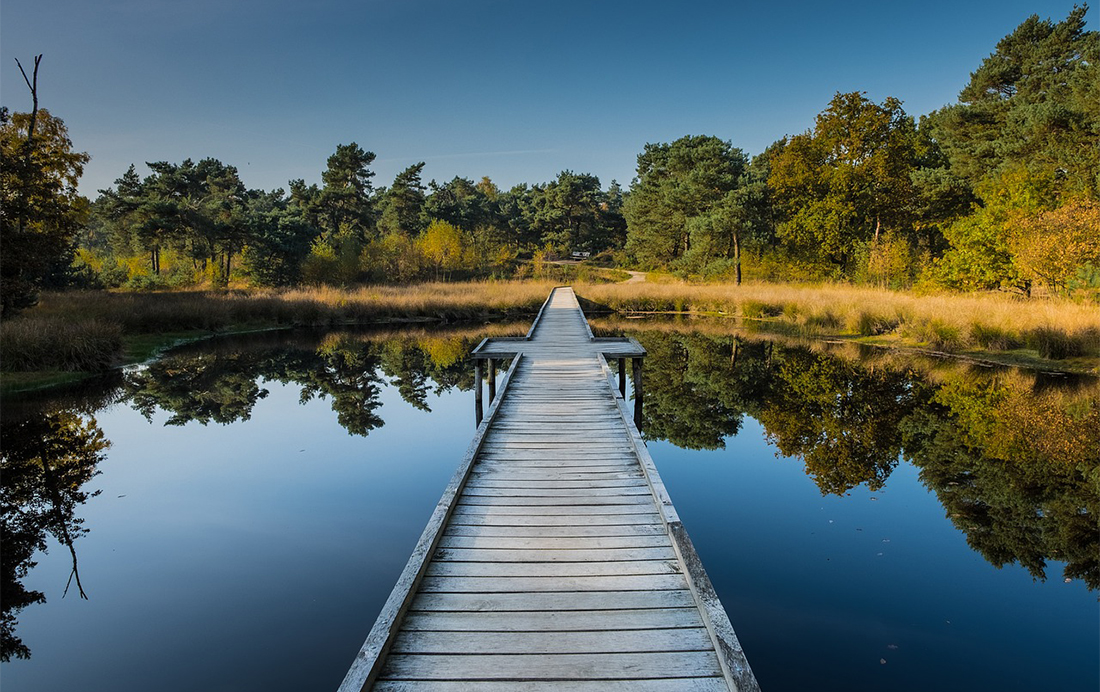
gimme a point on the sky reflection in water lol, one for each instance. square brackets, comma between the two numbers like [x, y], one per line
[255, 554]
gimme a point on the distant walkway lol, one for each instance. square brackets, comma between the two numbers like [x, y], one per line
[635, 277]
[555, 560]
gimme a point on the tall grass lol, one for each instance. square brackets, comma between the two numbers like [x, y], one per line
[217, 311]
[949, 322]
[85, 330]
[52, 343]
[75, 330]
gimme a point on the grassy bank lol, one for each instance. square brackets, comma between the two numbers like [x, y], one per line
[1056, 333]
[91, 331]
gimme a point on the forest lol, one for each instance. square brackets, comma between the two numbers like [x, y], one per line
[998, 191]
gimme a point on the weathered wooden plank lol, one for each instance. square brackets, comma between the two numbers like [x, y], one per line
[623, 582]
[553, 621]
[573, 511]
[556, 444]
[557, 500]
[462, 517]
[483, 483]
[554, 542]
[505, 472]
[623, 641]
[552, 555]
[542, 490]
[552, 571]
[553, 666]
[557, 531]
[521, 462]
[713, 684]
[469, 602]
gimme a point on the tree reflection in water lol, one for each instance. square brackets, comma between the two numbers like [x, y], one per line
[50, 450]
[46, 461]
[1012, 456]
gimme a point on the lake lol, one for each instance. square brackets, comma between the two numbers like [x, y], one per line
[237, 512]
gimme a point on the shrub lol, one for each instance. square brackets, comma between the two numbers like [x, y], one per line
[757, 309]
[992, 337]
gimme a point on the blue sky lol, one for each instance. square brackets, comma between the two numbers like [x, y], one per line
[517, 91]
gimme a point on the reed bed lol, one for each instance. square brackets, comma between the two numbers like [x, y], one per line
[139, 313]
[1056, 329]
[85, 330]
[53, 343]
[74, 330]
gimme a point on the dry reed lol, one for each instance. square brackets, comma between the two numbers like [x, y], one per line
[73, 330]
[950, 322]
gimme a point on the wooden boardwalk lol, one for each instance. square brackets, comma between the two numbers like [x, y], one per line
[555, 559]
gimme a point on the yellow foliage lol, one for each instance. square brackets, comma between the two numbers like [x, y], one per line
[1052, 246]
[444, 352]
[442, 246]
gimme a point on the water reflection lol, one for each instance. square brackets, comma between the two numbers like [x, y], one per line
[1012, 456]
[47, 460]
[51, 446]
[223, 384]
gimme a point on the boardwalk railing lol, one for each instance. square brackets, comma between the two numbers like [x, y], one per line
[555, 558]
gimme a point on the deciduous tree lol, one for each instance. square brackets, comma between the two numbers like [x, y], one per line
[40, 209]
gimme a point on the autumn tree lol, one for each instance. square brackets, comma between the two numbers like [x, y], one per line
[442, 245]
[40, 209]
[1054, 246]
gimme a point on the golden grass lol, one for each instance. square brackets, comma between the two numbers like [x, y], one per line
[84, 330]
[949, 322]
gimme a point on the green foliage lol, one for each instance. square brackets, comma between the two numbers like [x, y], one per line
[981, 255]
[848, 180]
[573, 213]
[344, 205]
[279, 239]
[403, 203]
[1032, 103]
[460, 203]
[40, 210]
[687, 179]
[335, 261]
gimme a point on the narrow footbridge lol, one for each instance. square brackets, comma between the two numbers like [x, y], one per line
[555, 559]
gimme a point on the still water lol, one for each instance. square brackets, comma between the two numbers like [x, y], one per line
[237, 512]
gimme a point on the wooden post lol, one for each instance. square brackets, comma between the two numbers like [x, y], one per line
[492, 380]
[638, 393]
[622, 378]
[478, 413]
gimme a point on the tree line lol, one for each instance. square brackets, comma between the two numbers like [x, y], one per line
[1000, 190]
[997, 191]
